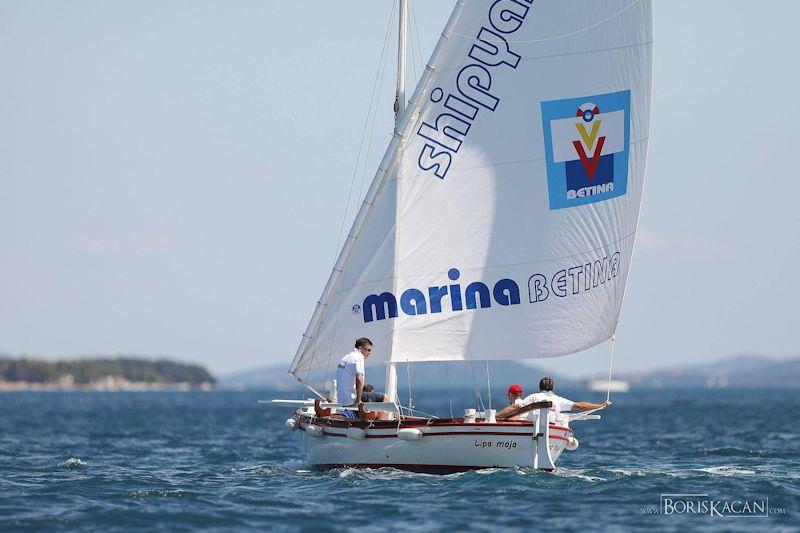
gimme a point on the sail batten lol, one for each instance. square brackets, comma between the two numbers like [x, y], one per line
[502, 219]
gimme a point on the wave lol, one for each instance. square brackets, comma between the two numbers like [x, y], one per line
[388, 473]
[72, 462]
[726, 470]
[288, 467]
[161, 493]
[625, 472]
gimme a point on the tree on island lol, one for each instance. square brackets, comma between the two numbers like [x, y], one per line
[86, 371]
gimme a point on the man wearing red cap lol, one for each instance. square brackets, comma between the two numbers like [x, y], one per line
[515, 392]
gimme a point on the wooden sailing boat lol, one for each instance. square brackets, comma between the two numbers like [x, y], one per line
[500, 224]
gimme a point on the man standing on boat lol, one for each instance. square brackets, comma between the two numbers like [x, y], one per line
[546, 394]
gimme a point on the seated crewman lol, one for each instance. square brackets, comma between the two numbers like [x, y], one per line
[369, 395]
[546, 394]
[515, 392]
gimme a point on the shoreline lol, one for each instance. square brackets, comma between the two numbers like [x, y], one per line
[108, 384]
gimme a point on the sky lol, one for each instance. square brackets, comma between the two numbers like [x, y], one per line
[174, 176]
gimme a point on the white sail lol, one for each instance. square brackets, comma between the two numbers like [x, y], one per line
[503, 224]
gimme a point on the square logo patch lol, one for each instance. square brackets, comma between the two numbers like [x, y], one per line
[586, 144]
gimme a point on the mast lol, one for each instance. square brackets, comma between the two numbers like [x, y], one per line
[399, 107]
[400, 95]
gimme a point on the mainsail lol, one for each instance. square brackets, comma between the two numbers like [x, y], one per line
[502, 221]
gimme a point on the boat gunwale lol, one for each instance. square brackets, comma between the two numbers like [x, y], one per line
[434, 422]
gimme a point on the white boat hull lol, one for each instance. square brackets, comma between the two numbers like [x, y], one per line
[444, 446]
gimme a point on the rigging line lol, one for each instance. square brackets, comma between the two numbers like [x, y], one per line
[373, 110]
[423, 413]
[488, 385]
[379, 88]
[412, 411]
[397, 399]
[309, 387]
[313, 356]
[476, 386]
[408, 377]
[412, 29]
[610, 364]
[449, 389]
[562, 36]
[375, 114]
[415, 29]
[372, 102]
[411, 46]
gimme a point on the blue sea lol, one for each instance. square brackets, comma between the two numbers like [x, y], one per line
[219, 460]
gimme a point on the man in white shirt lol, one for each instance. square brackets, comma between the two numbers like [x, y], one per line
[350, 375]
[546, 394]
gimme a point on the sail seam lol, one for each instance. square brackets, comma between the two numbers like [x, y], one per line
[565, 35]
[584, 346]
[504, 163]
[579, 53]
[428, 274]
[587, 52]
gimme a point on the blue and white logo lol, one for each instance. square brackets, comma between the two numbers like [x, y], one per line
[586, 144]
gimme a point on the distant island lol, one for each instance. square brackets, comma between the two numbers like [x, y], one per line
[102, 374]
[746, 371]
[424, 376]
[740, 372]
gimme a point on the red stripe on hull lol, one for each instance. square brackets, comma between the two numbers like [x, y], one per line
[470, 433]
[405, 424]
[475, 433]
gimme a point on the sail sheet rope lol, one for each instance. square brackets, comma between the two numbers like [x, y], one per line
[610, 365]
[584, 414]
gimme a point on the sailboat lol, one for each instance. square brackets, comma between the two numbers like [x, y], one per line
[500, 225]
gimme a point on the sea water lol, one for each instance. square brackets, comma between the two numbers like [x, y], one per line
[182, 461]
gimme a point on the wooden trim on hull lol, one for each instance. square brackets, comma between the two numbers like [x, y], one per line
[436, 423]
